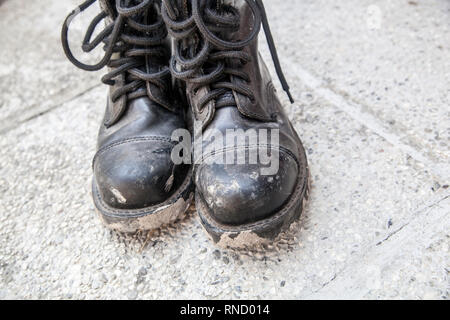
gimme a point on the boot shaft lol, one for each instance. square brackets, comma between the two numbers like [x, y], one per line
[226, 28]
[136, 53]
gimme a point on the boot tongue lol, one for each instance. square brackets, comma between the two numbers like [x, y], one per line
[227, 99]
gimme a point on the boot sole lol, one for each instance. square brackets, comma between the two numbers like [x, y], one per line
[264, 231]
[150, 218]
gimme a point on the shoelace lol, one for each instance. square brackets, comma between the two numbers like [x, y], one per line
[135, 41]
[205, 20]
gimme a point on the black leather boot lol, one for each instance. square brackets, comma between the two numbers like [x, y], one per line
[136, 186]
[229, 87]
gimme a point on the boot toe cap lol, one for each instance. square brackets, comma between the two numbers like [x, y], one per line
[240, 194]
[135, 175]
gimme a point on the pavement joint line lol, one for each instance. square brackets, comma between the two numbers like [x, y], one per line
[392, 234]
[5, 129]
[329, 281]
[366, 251]
[366, 119]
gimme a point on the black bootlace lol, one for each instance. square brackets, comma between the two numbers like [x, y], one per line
[207, 18]
[131, 37]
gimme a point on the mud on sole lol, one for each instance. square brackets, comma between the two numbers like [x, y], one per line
[259, 233]
[130, 221]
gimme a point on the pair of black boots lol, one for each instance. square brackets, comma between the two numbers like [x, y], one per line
[192, 109]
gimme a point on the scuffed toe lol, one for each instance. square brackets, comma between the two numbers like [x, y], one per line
[240, 194]
[136, 174]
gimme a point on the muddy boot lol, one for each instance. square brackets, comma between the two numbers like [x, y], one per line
[136, 186]
[241, 201]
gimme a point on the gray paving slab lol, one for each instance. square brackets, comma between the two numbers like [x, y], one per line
[388, 58]
[35, 75]
[53, 245]
[377, 222]
[409, 264]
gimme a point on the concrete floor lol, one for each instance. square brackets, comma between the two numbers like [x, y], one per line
[371, 80]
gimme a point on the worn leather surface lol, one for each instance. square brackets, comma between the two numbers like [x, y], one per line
[133, 168]
[238, 194]
[262, 107]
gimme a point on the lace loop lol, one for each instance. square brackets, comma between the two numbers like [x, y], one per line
[130, 11]
[219, 43]
[132, 38]
[205, 21]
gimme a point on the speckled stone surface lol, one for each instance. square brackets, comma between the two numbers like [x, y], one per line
[377, 224]
[391, 58]
[34, 74]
